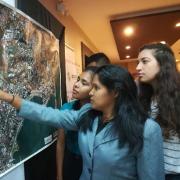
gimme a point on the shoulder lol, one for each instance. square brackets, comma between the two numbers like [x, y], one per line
[151, 128]
[68, 105]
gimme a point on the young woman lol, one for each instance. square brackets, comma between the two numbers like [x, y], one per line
[116, 139]
[71, 167]
[160, 95]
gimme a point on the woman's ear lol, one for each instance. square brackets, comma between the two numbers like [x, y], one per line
[116, 94]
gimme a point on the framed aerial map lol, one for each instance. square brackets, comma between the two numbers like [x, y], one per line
[29, 67]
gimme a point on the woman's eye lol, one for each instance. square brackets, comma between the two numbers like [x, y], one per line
[144, 62]
[84, 83]
[78, 79]
[96, 87]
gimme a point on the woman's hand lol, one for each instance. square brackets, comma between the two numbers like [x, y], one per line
[15, 101]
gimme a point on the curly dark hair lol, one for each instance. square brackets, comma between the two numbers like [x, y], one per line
[166, 89]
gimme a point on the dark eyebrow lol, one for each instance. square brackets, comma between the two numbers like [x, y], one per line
[144, 58]
[84, 80]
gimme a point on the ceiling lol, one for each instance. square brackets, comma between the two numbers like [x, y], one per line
[147, 29]
[93, 17]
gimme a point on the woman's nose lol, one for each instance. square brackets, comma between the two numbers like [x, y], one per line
[138, 67]
[76, 84]
[91, 92]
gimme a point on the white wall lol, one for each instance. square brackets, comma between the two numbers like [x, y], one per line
[11, 2]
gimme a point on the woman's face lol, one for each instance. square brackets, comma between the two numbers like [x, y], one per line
[101, 98]
[83, 86]
[147, 67]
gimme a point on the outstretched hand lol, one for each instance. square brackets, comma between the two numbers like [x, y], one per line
[13, 100]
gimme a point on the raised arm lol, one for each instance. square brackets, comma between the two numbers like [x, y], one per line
[67, 119]
[150, 161]
[13, 100]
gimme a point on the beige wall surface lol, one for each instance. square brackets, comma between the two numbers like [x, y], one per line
[73, 34]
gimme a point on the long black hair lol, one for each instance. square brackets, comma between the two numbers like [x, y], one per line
[129, 117]
[166, 89]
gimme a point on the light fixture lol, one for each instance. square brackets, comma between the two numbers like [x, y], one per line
[177, 24]
[127, 57]
[163, 42]
[61, 7]
[128, 47]
[128, 31]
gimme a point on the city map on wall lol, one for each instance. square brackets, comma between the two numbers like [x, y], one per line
[29, 67]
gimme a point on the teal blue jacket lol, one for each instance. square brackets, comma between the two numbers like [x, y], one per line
[102, 157]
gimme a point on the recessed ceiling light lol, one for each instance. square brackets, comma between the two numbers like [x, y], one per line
[128, 31]
[128, 47]
[177, 24]
[163, 42]
[127, 56]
